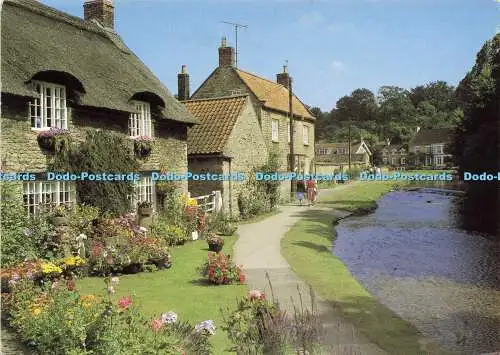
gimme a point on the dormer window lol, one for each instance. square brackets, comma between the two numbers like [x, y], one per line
[140, 120]
[49, 109]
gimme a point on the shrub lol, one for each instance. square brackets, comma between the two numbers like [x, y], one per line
[220, 224]
[221, 270]
[171, 234]
[259, 326]
[58, 320]
[16, 241]
[101, 152]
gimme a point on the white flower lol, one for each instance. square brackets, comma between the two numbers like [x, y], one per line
[115, 280]
[169, 317]
[143, 229]
[111, 290]
[207, 326]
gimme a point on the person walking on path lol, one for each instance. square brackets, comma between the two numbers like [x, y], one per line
[311, 191]
[301, 191]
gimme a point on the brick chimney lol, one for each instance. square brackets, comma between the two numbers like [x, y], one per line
[101, 10]
[183, 84]
[283, 78]
[226, 54]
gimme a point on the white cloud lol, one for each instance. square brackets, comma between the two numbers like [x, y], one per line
[337, 66]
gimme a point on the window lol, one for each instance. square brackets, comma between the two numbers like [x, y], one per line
[39, 195]
[393, 161]
[144, 191]
[305, 134]
[341, 151]
[322, 151]
[140, 120]
[439, 160]
[403, 161]
[417, 149]
[384, 160]
[275, 130]
[288, 129]
[437, 149]
[49, 109]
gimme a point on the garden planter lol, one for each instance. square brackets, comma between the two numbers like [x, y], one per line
[142, 149]
[145, 211]
[59, 221]
[47, 143]
[132, 268]
[215, 247]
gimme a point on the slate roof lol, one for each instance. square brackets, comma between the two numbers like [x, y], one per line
[38, 38]
[433, 136]
[218, 117]
[340, 158]
[275, 95]
[354, 146]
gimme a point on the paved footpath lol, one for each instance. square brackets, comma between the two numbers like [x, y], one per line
[258, 249]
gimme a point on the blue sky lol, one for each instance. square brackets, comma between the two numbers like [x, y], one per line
[332, 46]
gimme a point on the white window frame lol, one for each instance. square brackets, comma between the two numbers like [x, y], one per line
[144, 191]
[438, 149]
[439, 160]
[275, 124]
[41, 195]
[305, 134]
[140, 120]
[403, 161]
[49, 109]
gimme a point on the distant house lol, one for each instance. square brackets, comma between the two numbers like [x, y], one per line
[430, 147]
[270, 101]
[335, 156]
[77, 74]
[394, 155]
[228, 140]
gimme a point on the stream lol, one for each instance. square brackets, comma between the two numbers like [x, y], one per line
[411, 255]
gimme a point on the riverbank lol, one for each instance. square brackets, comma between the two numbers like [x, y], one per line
[307, 248]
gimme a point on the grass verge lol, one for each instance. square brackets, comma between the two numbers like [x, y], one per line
[307, 248]
[179, 289]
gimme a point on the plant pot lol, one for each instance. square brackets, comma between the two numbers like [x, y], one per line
[47, 143]
[59, 221]
[145, 211]
[142, 150]
[194, 235]
[215, 247]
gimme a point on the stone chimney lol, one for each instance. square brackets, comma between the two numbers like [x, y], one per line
[283, 78]
[101, 10]
[227, 56]
[183, 84]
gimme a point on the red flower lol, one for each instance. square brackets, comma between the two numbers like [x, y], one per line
[96, 250]
[124, 302]
[242, 278]
[156, 325]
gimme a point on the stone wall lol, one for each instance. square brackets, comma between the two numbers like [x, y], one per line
[20, 150]
[247, 149]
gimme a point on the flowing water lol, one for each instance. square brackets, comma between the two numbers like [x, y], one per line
[413, 258]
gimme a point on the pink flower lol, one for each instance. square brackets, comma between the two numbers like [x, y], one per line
[256, 295]
[156, 325]
[125, 302]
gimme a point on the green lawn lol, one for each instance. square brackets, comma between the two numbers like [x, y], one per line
[307, 248]
[179, 289]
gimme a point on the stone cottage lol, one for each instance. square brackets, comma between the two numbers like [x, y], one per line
[227, 142]
[77, 74]
[334, 157]
[270, 101]
[430, 147]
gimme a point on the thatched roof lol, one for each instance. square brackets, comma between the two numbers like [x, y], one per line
[37, 38]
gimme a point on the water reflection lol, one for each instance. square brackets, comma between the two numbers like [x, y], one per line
[411, 255]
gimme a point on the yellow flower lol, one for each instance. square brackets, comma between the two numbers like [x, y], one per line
[88, 300]
[192, 202]
[72, 261]
[36, 311]
[49, 268]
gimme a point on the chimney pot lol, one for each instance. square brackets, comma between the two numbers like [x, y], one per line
[227, 57]
[284, 77]
[101, 10]
[183, 84]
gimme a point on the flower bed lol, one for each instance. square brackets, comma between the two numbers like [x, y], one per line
[57, 320]
[120, 245]
[221, 270]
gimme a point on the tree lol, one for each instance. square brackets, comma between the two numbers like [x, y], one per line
[477, 140]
